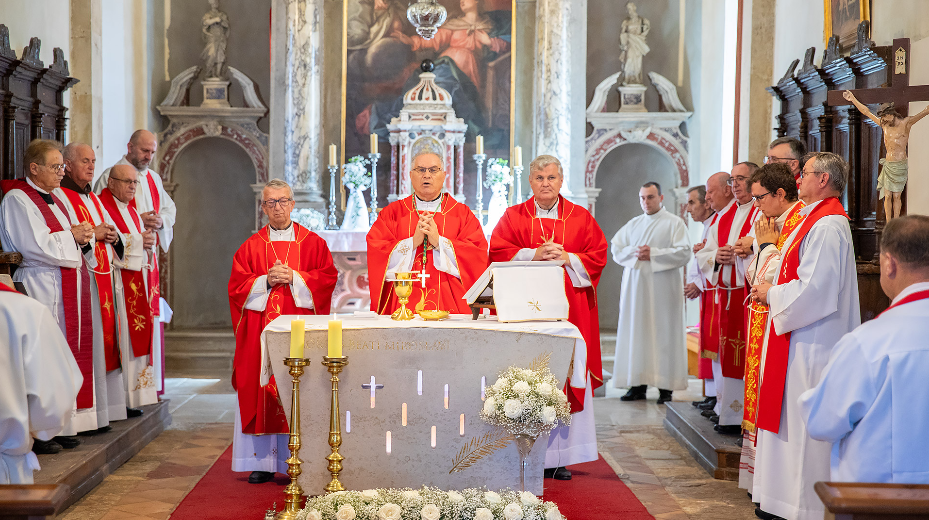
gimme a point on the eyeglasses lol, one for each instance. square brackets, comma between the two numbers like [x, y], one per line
[732, 180]
[272, 203]
[804, 174]
[432, 171]
[771, 159]
[759, 197]
[127, 181]
[55, 167]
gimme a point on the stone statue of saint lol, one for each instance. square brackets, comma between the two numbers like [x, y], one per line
[215, 26]
[632, 45]
[896, 130]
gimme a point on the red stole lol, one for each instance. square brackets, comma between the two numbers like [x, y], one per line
[771, 391]
[154, 283]
[757, 319]
[5, 287]
[75, 298]
[260, 406]
[915, 297]
[138, 308]
[709, 320]
[578, 232]
[102, 276]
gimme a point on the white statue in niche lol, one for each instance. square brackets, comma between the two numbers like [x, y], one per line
[632, 45]
[215, 27]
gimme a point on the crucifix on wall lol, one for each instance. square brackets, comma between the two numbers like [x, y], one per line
[893, 120]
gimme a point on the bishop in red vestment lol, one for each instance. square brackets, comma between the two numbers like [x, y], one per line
[431, 234]
[549, 227]
[282, 269]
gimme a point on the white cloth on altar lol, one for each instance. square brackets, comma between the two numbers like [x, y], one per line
[650, 342]
[404, 253]
[138, 372]
[258, 297]
[576, 443]
[24, 231]
[258, 452]
[869, 400]
[39, 382]
[817, 309]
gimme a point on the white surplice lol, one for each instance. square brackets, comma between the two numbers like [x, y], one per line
[650, 343]
[168, 213]
[404, 256]
[871, 399]
[39, 382]
[44, 253]
[695, 276]
[138, 374]
[109, 389]
[817, 309]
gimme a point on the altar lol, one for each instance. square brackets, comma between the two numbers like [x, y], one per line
[410, 397]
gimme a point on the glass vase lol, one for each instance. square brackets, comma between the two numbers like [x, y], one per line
[524, 444]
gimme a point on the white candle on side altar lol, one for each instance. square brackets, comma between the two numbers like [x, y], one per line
[518, 156]
[332, 154]
[297, 336]
[480, 144]
[373, 143]
[335, 337]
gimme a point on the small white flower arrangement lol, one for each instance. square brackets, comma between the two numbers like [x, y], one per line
[497, 173]
[309, 218]
[526, 402]
[429, 503]
[355, 174]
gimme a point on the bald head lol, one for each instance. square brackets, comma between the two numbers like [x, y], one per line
[718, 192]
[141, 149]
[122, 182]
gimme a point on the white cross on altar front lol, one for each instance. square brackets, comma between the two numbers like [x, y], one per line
[422, 277]
[374, 388]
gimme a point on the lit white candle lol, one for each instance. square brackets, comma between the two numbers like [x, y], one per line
[419, 383]
[348, 421]
[433, 436]
[403, 414]
[446, 396]
[388, 442]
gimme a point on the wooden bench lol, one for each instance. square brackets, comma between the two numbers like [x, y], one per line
[31, 502]
[864, 501]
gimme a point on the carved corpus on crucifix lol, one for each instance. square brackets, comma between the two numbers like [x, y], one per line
[893, 122]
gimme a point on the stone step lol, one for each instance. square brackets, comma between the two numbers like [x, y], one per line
[717, 454]
[198, 350]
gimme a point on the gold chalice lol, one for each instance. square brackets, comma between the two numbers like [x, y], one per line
[403, 287]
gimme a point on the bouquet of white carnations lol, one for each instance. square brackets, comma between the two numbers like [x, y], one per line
[526, 401]
[429, 503]
[355, 174]
[497, 173]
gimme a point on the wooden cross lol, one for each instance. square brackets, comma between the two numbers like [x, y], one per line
[900, 91]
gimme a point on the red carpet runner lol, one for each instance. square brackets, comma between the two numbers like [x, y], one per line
[594, 493]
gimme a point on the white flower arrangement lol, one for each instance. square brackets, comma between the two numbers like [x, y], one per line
[497, 173]
[355, 174]
[429, 503]
[526, 402]
[309, 218]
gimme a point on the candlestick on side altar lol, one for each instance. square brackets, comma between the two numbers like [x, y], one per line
[373, 157]
[335, 337]
[518, 171]
[333, 167]
[297, 337]
[479, 195]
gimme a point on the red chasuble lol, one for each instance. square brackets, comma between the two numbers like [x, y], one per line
[309, 256]
[443, 291]
[576, 229]
[774, 378]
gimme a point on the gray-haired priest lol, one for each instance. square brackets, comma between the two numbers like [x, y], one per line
[284, 268]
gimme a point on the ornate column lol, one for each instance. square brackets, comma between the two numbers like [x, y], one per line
[296, 95]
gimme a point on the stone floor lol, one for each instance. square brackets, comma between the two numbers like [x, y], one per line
[632, 439]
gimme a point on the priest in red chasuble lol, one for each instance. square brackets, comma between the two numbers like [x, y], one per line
[283, 269]
[429, 233]
[548, 227]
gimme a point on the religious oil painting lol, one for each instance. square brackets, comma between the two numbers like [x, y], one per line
[472, 53]
[842, 19]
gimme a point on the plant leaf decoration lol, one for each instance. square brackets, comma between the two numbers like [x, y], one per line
[478, 448]
[540, 363]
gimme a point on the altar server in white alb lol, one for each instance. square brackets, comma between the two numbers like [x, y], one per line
[131, 294]
[650, 347]
[39, 382]
[158, 214]
[812, 304]
[57, 252]
[871, 400]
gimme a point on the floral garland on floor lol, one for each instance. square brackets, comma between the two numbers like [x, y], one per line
[429, 503]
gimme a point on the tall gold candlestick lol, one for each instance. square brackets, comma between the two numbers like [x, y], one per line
[293, 493]
[335, 366]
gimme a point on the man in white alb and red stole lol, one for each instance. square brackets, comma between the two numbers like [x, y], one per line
[728, 276]
[158, 214]
[283, 269]
[812, 303]
[131, 294]
[75, 192]
[57, 251]
[428, 233]
[549, 227]
[697, 286]
[869, 400]
[775, 192]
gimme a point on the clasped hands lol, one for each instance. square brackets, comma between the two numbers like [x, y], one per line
[550, 250]
[83, 232]
[152, 220]
[643, 253]
[280, 274]
[426, 228]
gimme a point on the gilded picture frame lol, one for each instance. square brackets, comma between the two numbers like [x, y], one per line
[842, 18]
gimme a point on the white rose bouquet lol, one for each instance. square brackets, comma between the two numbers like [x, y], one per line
[429, 503]
[355, 174]
[497, 173]
[526, 402]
